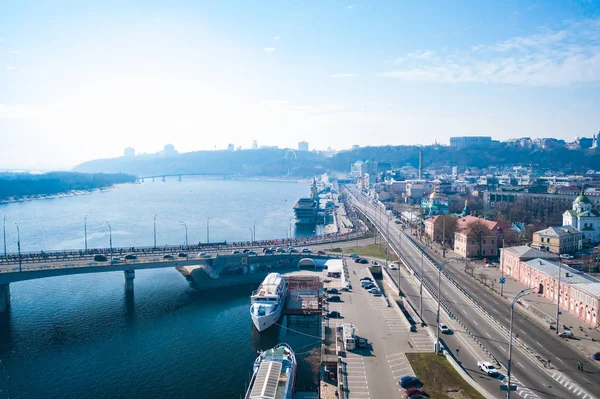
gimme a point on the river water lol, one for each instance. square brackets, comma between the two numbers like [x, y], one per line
[83, 337]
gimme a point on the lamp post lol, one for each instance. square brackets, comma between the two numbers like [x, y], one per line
[207, 230]
[154, 225]
[251, 236]
[254, 231]
[19, 247]
[439, 298]
[421, 288]
[85, 233]
[4, 230]
[521, 294]
[110, 240]
[186, 232]
[558, 297]
[400, 259]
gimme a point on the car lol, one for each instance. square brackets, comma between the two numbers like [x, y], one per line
[333, 291]
[413, 392]
[306, 251]
[375, 263]
[293, 250]
[334, 298]
[167, 256]
[280, 249]
[366, 279]
[204, 255]
[373, 290]
[245, 250]
[444, 328]
[320, 252]
[393, 267]
[369, 286]
[487, 368]
[410, 381]
[566, 334]
[363, 261]
[251, 253]
[566, 256]
[283, 251]
[413, 328]
[353, 256]
[130, 257]
[362, 342]
[333, 315]
[596, 356]
[100, 258]
[269, 252]
[490, 264]
[182, 255]
[235, 252]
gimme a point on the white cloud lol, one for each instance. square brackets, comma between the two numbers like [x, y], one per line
[269, 49]
[351, 7]
[548, 58]
[344, 75]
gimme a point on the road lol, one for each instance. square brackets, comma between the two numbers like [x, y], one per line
[533, 380]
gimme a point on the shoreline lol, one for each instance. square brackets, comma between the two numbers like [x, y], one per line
[72, 193]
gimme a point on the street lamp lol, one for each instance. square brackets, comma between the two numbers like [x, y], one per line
[439, 298]
[521, 294]
[110, 240]
[4, 230]
[251, 236]
[85, 233]
[19, 247]
[558, 296]
[207, 230]
[154, 223]
[186, 232]
[254, 233]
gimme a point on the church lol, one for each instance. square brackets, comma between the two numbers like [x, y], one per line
[584, 218]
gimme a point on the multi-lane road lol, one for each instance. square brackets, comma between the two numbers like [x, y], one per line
[562, 380]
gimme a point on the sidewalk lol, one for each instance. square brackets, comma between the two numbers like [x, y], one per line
[538, 308]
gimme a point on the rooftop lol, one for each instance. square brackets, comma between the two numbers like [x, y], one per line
[568, 275]
[559, 231]
[524, 251]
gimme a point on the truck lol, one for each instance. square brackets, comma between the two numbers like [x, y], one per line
[348, 331]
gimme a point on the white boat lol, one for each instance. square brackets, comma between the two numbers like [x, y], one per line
[274, 374]
[268, 301]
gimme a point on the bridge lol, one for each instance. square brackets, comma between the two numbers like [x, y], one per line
[179, 176]
[217, 266]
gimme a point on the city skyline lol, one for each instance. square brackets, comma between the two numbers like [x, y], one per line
[85, 81]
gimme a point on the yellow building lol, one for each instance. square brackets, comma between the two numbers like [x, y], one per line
[558, 240]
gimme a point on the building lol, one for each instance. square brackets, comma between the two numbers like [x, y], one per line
[470, 141]
[303, 146]
[434, 205]
[230, 147]
[254, 145]
[129, 152]
[558, 240]
[584, 218]
[509, 197]
[579, 293]
[512, 256]
[477, 237]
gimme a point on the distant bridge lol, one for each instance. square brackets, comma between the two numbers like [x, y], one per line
[179, 176]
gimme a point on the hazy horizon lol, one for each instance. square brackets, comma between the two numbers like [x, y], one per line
[85, 81]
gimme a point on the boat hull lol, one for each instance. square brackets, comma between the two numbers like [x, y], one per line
[263, 322]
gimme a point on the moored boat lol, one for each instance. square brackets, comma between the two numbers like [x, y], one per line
[268, 301]
[274, 374]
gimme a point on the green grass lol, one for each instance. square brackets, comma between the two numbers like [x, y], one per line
[439, 378]
[371, 250]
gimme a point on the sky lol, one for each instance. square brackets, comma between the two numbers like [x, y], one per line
[84, 80]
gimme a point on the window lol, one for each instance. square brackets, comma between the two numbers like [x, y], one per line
[492, 241]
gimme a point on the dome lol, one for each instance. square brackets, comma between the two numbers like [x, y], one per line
[582, 199]
[434, 194]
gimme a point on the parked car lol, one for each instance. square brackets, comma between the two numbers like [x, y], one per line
[410, 381]
[487, 368]
[333, 315]
[306, 251]
[320, 252]
[596, 356]
[204, 255]
[362, 261]
[566, 334]
[374, 262]
[444, 328]
[353, 256]
[116, 260]
[293, 250]
[130, 257]
[490, 264]
[279, 249]
[235, 252]
[566, 256]
[366, 279]
[251, 253]
[100, 258]
[182, 255]
[245, 250]
[334, 298]
[369, 286]
[373, 290]
[413, 392]
[167, 256]
[333, 291]
[393, 266]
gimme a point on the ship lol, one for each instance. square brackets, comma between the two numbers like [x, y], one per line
[268, 301]
[307, 209]
[274, 374]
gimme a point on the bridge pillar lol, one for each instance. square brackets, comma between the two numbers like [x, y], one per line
[4, 297]
[129, 276]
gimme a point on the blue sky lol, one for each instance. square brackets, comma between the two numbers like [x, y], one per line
[81, 81]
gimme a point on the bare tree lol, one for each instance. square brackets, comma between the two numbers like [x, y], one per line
[478, 230]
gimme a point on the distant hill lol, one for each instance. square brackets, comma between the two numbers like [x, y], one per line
[276, 162]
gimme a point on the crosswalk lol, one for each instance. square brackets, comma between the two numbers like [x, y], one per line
[421, 342]
[356, 377]
[570, 385]
[394, 321]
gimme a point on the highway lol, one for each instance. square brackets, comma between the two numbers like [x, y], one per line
[533, 380]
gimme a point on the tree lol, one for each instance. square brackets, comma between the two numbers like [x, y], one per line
[447, 225]
[478, 230]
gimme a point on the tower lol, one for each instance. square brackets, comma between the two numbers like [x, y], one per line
[420, 164]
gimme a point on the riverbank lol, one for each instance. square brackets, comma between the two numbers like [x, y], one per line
[72, 193]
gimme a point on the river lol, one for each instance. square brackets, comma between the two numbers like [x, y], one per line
[82, 336]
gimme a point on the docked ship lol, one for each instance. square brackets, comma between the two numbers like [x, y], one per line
[307, 209]
[274, 374]
[268, 301]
